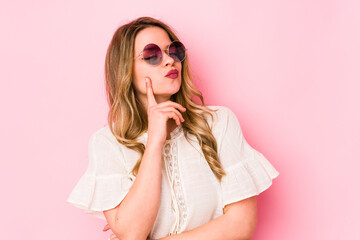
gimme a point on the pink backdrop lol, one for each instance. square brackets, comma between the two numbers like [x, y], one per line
[288, 69]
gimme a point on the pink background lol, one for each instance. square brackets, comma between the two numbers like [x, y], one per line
[288, 69]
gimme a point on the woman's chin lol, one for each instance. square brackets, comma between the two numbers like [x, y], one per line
[166, 94]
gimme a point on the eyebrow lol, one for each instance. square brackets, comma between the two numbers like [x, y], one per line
[165, 46]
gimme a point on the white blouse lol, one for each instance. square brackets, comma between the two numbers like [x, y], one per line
[191, 195]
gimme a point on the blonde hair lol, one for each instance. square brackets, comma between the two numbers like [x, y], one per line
[127, 116]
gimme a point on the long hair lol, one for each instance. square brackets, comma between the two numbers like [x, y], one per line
[127, 117]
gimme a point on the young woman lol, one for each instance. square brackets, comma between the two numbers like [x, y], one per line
[165, 167]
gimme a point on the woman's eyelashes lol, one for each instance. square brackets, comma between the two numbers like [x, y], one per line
[151, 57]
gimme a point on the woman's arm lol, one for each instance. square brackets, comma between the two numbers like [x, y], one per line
[134, 217]
[238, 223]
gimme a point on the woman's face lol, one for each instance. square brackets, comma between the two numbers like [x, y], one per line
[163, 87]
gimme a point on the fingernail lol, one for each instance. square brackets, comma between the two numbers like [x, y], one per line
[146, 80]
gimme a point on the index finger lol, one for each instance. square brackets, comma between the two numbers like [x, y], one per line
[107, 227]
[149, 93]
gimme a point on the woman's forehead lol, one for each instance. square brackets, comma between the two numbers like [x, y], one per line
[152, 35]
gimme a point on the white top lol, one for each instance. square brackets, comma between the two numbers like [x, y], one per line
[191, 195]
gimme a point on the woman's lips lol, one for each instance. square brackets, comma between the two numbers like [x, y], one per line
[172, 74]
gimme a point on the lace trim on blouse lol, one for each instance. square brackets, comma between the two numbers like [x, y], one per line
[178, 205]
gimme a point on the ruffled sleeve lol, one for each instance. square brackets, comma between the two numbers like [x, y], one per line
[105, 182]
[248, 172]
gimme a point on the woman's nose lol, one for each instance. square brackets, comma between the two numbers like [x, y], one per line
[168, 59]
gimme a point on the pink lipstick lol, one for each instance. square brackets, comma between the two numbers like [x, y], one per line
[172, 74]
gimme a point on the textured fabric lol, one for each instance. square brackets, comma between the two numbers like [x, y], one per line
[191, 195]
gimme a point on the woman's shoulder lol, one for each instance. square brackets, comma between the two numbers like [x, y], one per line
[103, 134]
[220, 113]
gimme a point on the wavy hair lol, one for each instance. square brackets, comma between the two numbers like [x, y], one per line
[127, 117]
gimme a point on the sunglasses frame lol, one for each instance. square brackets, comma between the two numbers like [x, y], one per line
[165, 50]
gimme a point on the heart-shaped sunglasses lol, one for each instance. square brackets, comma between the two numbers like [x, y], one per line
[152, 54]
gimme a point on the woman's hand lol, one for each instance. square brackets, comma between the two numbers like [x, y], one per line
[113, 236]
[159, 114]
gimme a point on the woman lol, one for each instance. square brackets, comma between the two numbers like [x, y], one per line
[165, 167]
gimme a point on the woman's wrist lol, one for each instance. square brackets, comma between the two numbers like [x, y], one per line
[154, 145]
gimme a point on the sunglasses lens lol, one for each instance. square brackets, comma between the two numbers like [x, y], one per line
[177, 51]
[152, 54]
